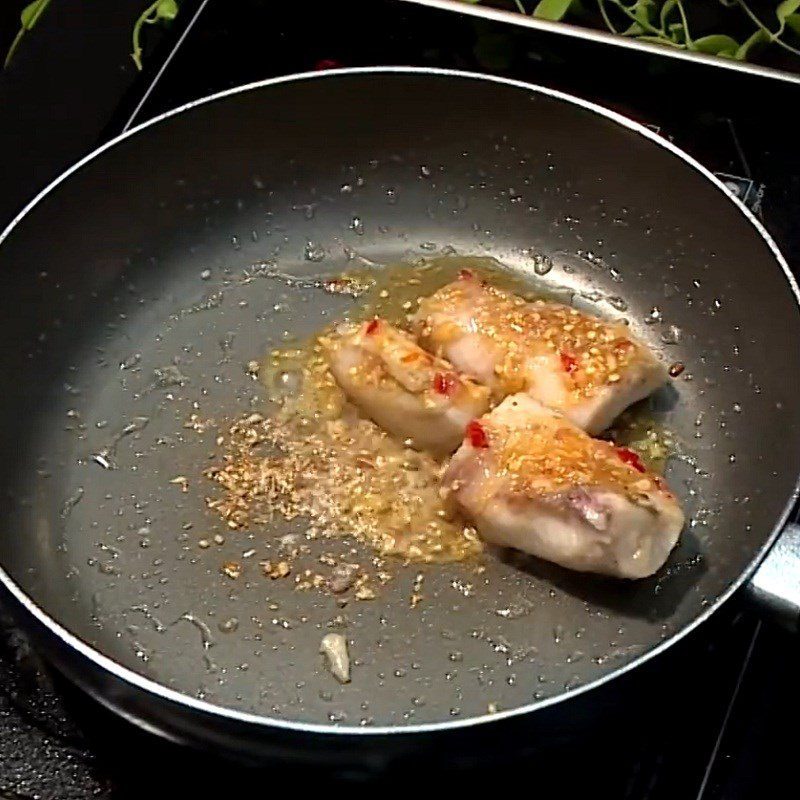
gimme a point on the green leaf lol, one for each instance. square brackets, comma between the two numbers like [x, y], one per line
[643, 11]
[31, 13]
[666, 9]
[553, 10]
[168, 9]
[716, 44]
[785, 8]
[754, 40]
[28, 17]
[635, 29]
[793, 22]
[677, 33]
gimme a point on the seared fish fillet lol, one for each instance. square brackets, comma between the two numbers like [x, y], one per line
[586, 368]
[530, 479]
[401, 387]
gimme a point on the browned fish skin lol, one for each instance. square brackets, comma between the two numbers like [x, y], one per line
[528, 478]
[585, 367]
[546, 454]
[406, 390]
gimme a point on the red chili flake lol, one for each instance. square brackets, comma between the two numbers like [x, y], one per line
[569, 362]
[466, 275]
[372, 326]
[631, 459]
[476, 434]
[327, 63]
[444, 383]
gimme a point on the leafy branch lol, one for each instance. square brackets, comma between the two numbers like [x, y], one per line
[159, 11]
[29, 16]
[666, 22]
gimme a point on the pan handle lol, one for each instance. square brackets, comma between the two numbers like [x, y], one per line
[775, 585]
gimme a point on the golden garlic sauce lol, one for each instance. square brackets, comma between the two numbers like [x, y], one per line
[315, 458]
[637, 430]
[548, 455]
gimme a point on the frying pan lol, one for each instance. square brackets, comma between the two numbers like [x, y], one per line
[130, 301]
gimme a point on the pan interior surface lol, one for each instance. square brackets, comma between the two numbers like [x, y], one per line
[138, 290]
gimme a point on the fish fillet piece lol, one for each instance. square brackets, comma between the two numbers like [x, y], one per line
[586, 368]
[528, 478]
[404, 389]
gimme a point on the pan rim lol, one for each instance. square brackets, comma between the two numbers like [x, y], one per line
[154, 688]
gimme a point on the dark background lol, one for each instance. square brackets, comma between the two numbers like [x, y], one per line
[73, 84]
[71, 76]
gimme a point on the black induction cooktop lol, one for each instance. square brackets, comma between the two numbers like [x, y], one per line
[712, 716]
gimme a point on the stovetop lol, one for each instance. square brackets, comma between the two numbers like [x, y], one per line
[718, 705]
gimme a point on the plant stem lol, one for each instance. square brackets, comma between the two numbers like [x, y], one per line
[772, 36]
[662, 40]
[14, 46]
[646, 25]
[686, 34]
[609, 24]
[144, 17]
[29, 17]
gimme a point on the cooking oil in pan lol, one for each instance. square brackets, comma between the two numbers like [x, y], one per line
[293, 569]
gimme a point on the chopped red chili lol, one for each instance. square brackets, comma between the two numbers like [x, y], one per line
[465, 275]
[444, 383]
[476, 434]
[569, 362]
[372, 326]
[631, 459]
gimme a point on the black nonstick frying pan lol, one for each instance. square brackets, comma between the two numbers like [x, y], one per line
[130, 301]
